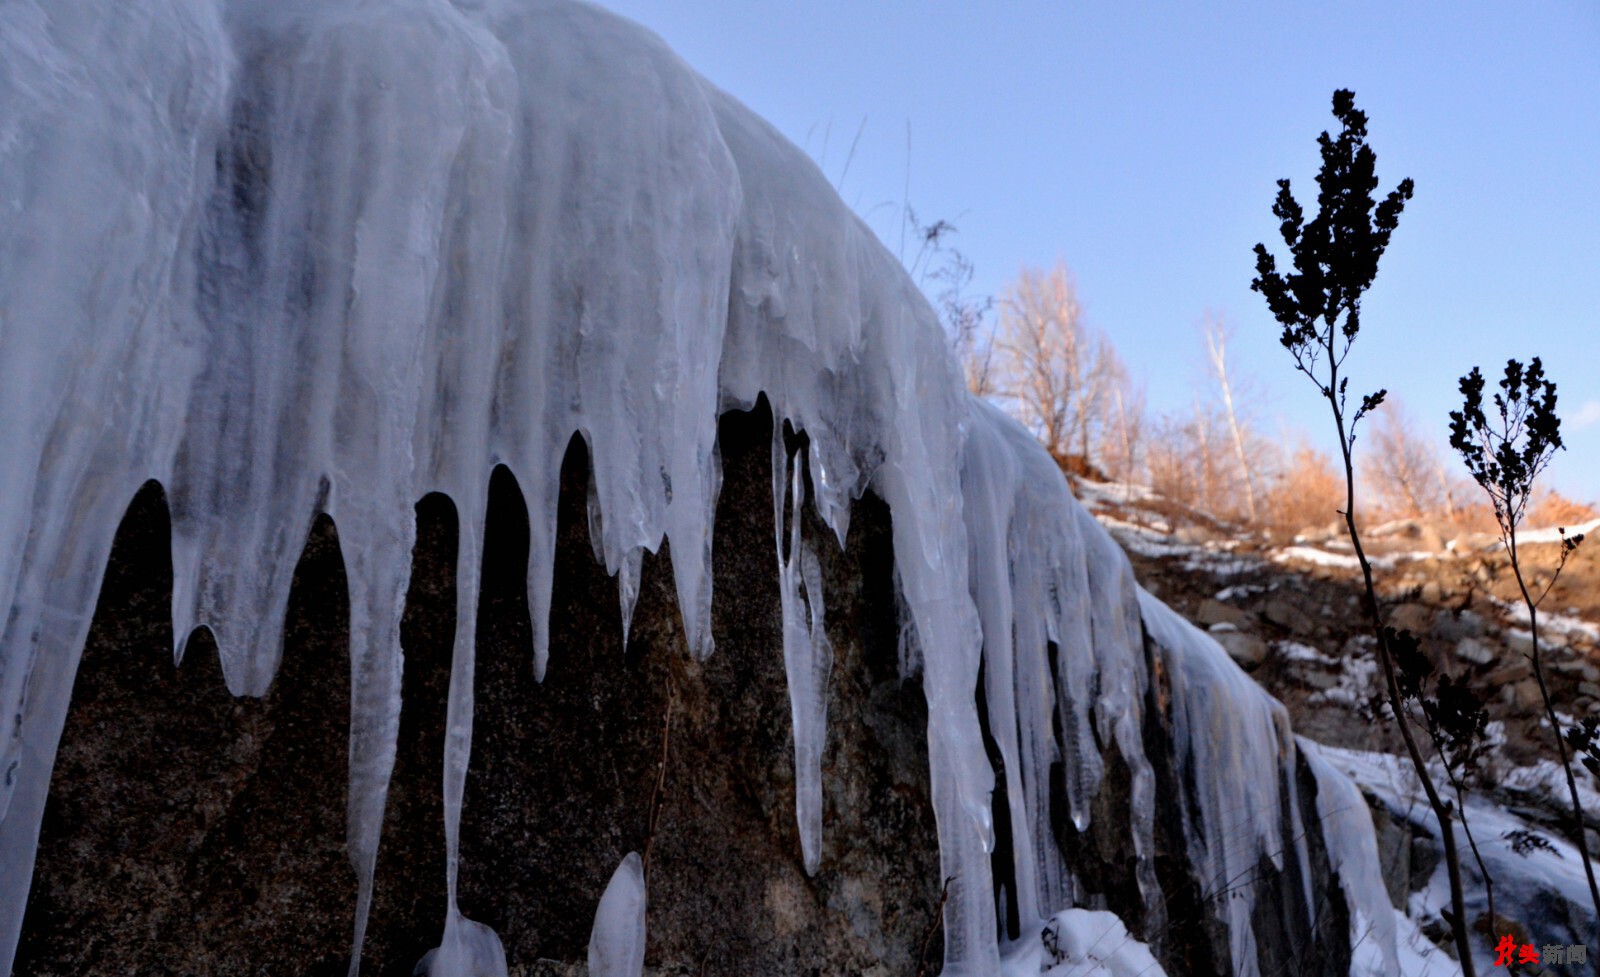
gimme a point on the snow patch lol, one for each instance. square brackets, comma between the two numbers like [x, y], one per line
[1082, 943]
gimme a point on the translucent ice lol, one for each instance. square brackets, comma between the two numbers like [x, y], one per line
[1347, 829]
[807, 653]
[616, 945]
[468, 949]
[1232, 740]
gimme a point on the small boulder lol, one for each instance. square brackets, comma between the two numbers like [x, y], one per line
[1514, 669]
[1578, 670]
[1287, 616]
[1394, 851]
[1416, 618]
[1525, 695]
[1246, 649]
[1316, 678]
[1426, 854]
[1474, 651]
[1454, 627]
[1212, 612]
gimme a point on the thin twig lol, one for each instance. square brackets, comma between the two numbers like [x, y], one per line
[1441, 811]
[933, 927]
[658, 795]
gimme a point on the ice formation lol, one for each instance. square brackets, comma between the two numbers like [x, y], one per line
[312, 256]
[1348, 828]
[616, 948]
[1082, 943]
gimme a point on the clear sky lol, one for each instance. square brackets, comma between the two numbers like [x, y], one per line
[1140, 143]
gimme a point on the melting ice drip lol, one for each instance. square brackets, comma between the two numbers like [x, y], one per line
[289, 257]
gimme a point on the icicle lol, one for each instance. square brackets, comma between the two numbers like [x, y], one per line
[108, 132]
[1232, 741]
[628, 572]
[908, 646]
[541, 491]
[468, 949]
[1116, 604]
[807, 653]
[616, 945]
[1346, 825]
[989, 496]
[459, 710]
[691, 562]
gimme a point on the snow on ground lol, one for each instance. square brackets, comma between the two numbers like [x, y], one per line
[1096, 495]
[1546, 780]
[1241, 590]
[1357, 683]
[1215, 558]
[1336, 561]
[1081, 943]
[1550, 624]
[1554, 535]
[1538, 875]
[1296, 652]
[1419, 956]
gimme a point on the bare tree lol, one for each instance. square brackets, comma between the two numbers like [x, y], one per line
[1172, 460]
[1550, 508]
[1406, 472]
[1217, 333]
[1208, 473]
[1121, 451]
[1112, 410]
[1055, 370]
[1189, 464]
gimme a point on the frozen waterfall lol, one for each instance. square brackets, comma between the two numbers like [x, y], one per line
[297, 257]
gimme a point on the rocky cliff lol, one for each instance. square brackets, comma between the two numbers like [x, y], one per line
[189, 831]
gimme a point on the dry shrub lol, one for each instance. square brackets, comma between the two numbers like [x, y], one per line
[1551, 508]
[1308, 493]
[1401, 468]
[1169, 457]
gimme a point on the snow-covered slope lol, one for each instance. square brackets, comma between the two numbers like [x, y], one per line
[291, 257]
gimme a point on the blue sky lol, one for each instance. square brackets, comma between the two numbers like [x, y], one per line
[1140, 143]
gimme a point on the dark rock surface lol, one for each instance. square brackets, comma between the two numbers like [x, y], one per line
[186, 828]
[192, 833]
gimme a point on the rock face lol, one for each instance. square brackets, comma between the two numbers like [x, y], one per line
[191, 832]
[223, 849]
